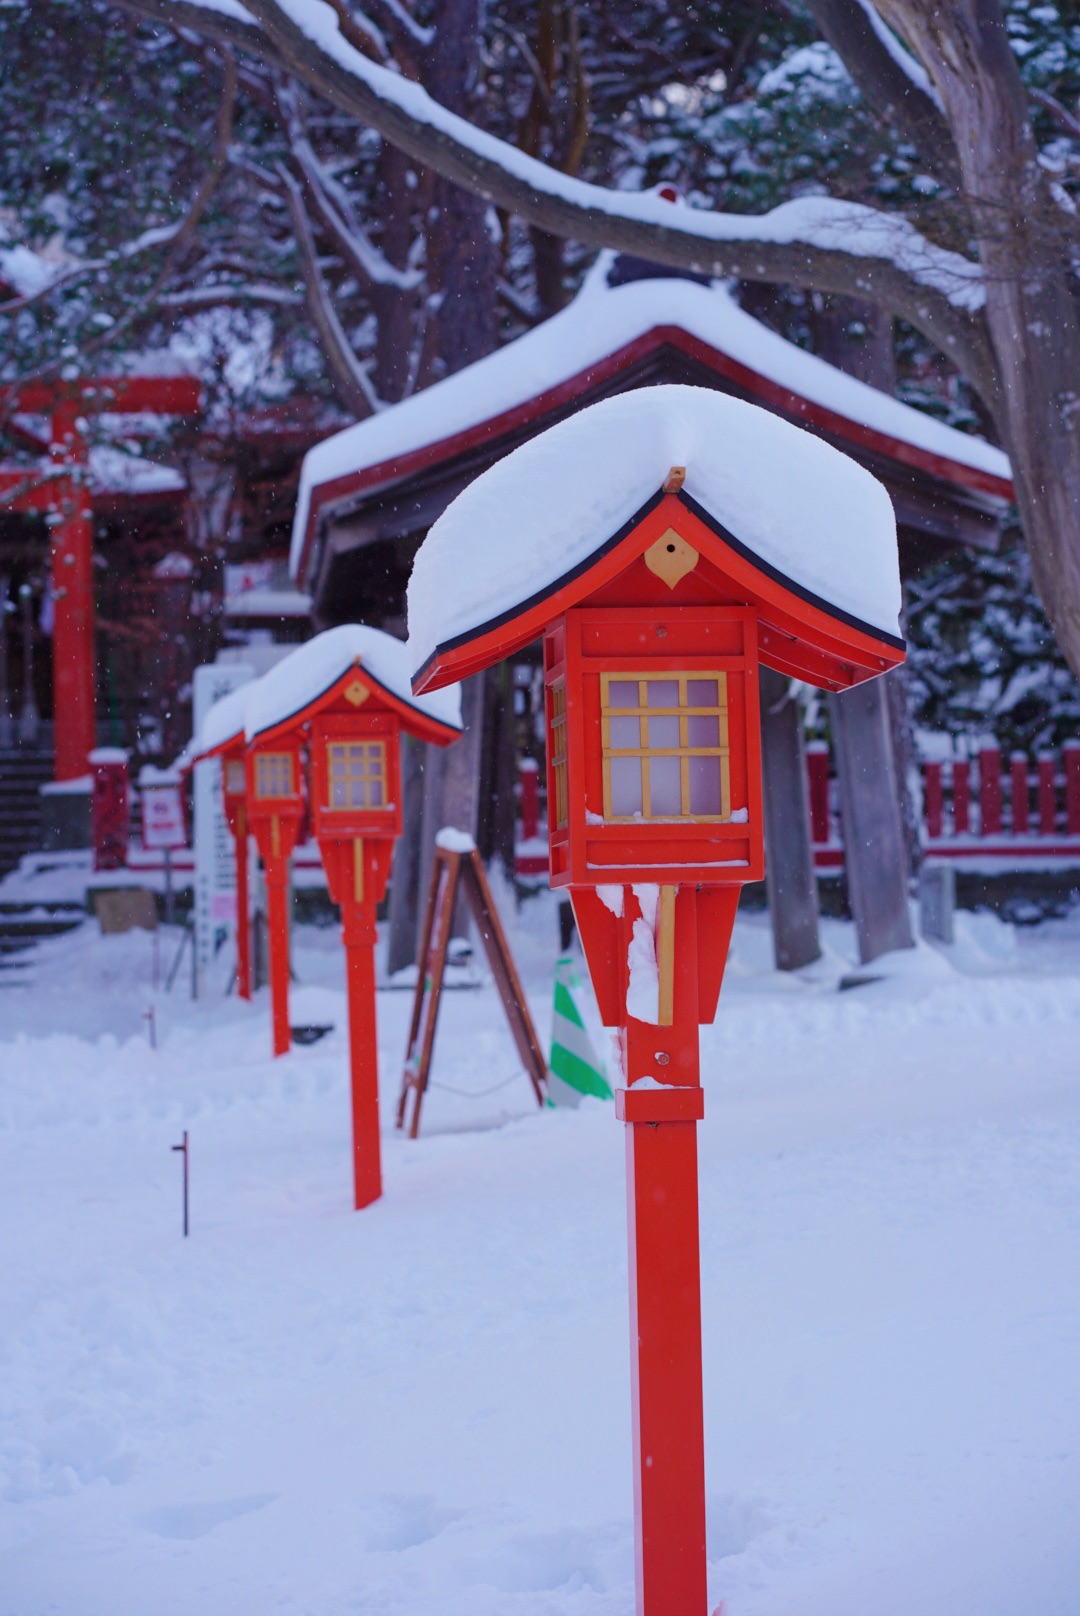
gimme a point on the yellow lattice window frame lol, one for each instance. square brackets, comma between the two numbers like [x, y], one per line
[666, 753]
[274, 774]
[355, 775]
[234, 777]
[558, 754]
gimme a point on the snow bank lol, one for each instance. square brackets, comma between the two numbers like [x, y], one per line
[599, 322]
[795, 502]
[310, 670]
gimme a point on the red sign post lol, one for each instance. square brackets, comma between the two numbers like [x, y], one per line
[651, 653]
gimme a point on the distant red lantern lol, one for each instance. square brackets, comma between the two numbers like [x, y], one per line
[351, 728]
[652, 639]
[275, 808]
[234, 791]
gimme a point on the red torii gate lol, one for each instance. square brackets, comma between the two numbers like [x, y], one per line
[61, 493]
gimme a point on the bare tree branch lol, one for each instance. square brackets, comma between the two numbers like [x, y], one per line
[350, 378]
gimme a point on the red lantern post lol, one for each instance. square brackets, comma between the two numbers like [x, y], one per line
[275, 807]
[351, 727]
[234, 782]
[652, 638]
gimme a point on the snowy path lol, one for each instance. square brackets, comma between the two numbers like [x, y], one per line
[424, 1408]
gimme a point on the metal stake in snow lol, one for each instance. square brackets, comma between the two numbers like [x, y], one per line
[183, 1149]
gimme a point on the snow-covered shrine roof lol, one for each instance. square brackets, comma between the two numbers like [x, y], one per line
[801, 510]
[604, 330]
[315, 667]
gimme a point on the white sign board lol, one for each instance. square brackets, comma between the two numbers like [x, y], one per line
[163, 817]
[215, 861]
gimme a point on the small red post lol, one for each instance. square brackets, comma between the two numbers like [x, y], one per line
[817, 768]
[990, 798]
[1071, 755]
[358, 932]
[1046, 765]
[73, 598]
[277, 925]
[110, 813]
[243, 906]
[529, 775]
[934, 797]
[961, 796]
[665, 1291]
[1018, 792]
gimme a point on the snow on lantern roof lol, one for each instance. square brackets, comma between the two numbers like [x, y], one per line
[223, 724]
[601, 331]
[315, 667]
[799, 508]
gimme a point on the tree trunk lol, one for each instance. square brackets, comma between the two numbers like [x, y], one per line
[405, 891]
[1026, 245]
[451, 790]
[789, 857]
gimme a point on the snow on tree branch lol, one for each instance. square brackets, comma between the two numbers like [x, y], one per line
[827, 244]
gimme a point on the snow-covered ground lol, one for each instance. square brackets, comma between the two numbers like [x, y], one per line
[424, 1408]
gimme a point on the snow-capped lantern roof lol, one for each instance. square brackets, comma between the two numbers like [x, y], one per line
[781, 520]
[314, 675]
[610, 330]
[223, 727]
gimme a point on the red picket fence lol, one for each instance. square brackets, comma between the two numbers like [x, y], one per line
[1024, 814]
[973, 808]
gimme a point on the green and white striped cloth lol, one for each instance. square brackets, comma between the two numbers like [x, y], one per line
[575, 1067]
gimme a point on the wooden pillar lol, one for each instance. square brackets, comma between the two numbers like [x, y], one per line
[1071, 757]
[665, 1289]
[789, 858]
[961, 796]
[874, 852]
[452, 788]
[404, 917]
[934, 796]
[358, 935]
[74, 716]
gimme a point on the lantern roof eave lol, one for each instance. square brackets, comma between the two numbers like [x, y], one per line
[836, 649]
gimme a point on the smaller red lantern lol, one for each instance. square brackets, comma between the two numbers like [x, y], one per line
[347, 693]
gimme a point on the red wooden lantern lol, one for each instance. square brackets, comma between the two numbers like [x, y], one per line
[653, 629]
[347, 693]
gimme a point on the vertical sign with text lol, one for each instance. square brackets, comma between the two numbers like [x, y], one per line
[215, 863]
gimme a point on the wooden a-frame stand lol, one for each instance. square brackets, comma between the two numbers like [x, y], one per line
[451, 868]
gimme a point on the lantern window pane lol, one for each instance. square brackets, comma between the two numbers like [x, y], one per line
[705, 792]
[558, 756]
[274, 774]
[234, 778]
[626, 798]
[703, 730]
[625, 732]
[665, 747]
[665, 789]
[356, 770]
[663, 732]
